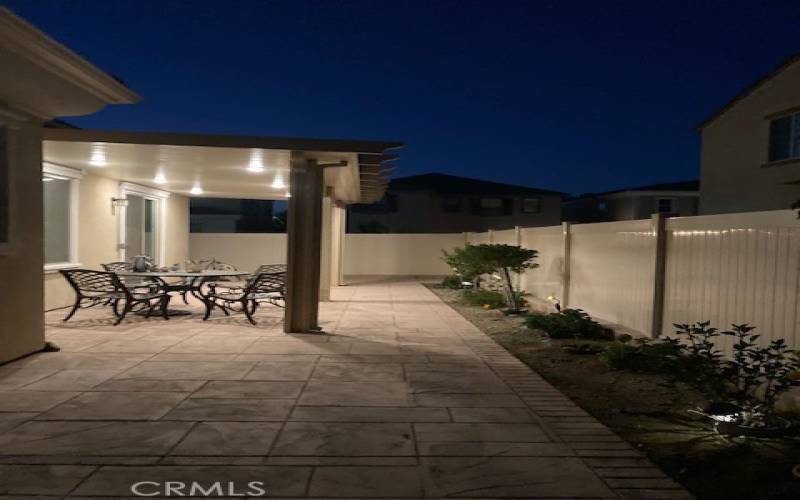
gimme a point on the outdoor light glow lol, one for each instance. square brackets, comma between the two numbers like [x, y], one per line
[98, 158]
[256, 161]
[160, 178]
[288, 194]
[196, 190]
[278, 183]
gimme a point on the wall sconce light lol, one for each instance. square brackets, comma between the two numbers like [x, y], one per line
[118, 203]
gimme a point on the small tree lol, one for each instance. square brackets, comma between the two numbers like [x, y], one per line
[471, 261]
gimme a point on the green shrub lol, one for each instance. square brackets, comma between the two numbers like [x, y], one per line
[569, 323]
[643, 356]
[472, 261]
[485, 298]
[452, 282]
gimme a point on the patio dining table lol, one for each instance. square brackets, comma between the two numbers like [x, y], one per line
[193, 283]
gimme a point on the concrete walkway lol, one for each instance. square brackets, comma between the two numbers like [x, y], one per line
[404, 399]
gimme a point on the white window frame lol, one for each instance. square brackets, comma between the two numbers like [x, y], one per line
[74, 176]
[794, 130]
[160, 197]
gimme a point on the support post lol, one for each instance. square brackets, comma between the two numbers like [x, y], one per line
[337, 265]
[565, 279]
[518, 242]
[490, 234]
[304, 233]
[326, 247]
[659, 274]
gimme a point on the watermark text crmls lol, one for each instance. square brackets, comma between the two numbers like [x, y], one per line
[198, 489]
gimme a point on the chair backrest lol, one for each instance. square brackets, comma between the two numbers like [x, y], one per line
[118, 266]
[267, 283]
[270, 268]
[87, 282]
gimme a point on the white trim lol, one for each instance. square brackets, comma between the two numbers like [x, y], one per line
[129, 187]
[160, 197]
[61, 172]
[74, 177]
[56, 266]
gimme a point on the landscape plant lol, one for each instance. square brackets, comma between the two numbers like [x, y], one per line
[747, 386]
[488, 299]
[568, 323]
[472, 261]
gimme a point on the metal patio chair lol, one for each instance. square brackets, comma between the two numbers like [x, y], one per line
[93, 288]
[262, 288]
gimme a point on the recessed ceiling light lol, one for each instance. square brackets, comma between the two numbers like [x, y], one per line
[278, 183]
[160, 178]
[196, 190]
[98, 158]
[256, 161]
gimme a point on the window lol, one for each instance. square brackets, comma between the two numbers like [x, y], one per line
[60, 198]
[784, 138]
[531, 205]
[491, 206]
[664, 205]
[602, 206]
[451, 204]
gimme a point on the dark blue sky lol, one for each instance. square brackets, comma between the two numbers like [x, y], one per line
[574, 96]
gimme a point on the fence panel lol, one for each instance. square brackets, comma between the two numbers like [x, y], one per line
[505, 237]
[398, 254]
[612, 268]
[478, 238]
[735, 268]
[243, 250]
[546, 280]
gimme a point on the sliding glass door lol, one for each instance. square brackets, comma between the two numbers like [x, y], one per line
[141, 220]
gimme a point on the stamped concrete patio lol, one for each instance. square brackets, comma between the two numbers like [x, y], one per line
[403, 399]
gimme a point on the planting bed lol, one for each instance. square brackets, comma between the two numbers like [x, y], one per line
[651, 411]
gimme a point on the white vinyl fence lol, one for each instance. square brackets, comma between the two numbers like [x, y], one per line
[644, 275]
[364, 254]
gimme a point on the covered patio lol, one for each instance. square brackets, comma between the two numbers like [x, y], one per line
[404, 399]
[132, 189]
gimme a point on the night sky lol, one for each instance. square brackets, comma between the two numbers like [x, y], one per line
[573, 96]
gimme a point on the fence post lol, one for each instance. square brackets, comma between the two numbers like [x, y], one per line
[565, 279]
[518, 242]
[490, 236]
[659, 273]
[466, 238]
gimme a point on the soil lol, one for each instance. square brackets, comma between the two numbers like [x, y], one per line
[652, 412]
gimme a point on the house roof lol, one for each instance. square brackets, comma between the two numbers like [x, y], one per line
[453, 184]
[749, 90]
[687, 186]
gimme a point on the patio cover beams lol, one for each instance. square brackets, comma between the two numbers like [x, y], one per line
[321, 173]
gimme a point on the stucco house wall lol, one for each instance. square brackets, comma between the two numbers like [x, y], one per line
[736, 176]
[21, 265]
[98, 236]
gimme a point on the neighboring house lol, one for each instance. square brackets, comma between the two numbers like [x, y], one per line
[230, 215]
[751, 147]
[677, 199]
[440, 203]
